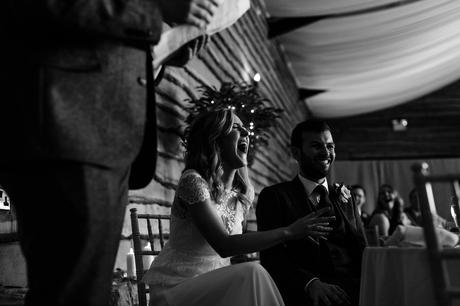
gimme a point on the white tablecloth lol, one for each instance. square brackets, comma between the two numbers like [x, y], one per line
[399, 277]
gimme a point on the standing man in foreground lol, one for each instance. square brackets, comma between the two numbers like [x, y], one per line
[313, 272]
[75, 78]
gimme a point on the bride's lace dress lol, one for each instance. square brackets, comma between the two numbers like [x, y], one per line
[173, 276]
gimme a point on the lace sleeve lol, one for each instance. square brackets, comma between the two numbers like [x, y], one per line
[193, 188]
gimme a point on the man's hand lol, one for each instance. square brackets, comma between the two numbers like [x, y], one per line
[311, 225]
[182, 56]
[327, 294]
[195, 12]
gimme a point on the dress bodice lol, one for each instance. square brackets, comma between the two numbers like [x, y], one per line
[187, 253]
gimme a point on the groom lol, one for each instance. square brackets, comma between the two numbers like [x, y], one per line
[308, 271]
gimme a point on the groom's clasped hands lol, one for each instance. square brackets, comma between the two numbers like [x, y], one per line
[314, 225]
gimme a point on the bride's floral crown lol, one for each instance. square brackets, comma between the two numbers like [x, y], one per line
[245, 101]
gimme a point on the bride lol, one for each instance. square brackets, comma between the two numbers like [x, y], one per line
[212, 197]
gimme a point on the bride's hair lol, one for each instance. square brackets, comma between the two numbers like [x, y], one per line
[203, 152]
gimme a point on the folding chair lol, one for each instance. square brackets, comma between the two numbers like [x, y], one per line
[151, 237]
[445, 293]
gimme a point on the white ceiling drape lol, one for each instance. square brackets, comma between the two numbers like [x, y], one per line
[371, 61]
[300, 8]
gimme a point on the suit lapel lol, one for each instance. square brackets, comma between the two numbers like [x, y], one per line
[344, 209]
[301, 204]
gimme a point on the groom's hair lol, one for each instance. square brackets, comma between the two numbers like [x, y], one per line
[310, 125]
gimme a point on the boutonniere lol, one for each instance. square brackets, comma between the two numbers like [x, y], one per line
[341, 193]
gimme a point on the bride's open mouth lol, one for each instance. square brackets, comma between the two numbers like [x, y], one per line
[243, 147]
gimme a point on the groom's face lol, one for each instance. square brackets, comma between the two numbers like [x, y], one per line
[316, 155]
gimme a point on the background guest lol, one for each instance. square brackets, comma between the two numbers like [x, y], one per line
[382, 214]
[398, 216]
[413, 209]
[389, 211]
[414, 214]
[359, 196]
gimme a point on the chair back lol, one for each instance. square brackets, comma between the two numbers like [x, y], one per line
[156, 238]
[445, 293]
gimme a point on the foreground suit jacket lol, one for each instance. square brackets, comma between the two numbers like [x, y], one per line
[73, 79]
[293, 263]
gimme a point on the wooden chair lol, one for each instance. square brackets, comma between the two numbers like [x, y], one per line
[160, 236]
[445, 293]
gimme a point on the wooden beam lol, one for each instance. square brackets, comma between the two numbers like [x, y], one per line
[305, 93]
[279, 26]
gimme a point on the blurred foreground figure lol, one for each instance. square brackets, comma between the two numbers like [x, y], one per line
[75, 80]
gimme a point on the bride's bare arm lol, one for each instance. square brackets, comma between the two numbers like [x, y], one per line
[211, 227]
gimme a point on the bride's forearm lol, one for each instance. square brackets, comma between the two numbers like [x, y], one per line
[252, 242]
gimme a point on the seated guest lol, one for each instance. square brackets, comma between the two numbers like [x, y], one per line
[389, 211]
[382, 213]
[398, 216]
[359, 196]
[213, 195]
[318, 272]
[413, 210]
[414, 214]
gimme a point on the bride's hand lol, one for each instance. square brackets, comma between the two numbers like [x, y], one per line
[312, 225]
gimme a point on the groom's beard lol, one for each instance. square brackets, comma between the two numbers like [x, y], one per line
[313, 168]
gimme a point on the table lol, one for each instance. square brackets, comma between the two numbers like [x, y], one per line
[399, 277]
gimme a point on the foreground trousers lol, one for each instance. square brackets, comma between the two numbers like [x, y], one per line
[70, 217]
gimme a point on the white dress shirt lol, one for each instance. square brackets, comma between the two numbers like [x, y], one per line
[310, 186]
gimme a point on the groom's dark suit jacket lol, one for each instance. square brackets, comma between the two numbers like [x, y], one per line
[294, 263]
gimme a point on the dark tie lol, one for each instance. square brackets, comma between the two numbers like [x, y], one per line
[321, 193]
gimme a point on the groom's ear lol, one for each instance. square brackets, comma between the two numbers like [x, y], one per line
[295, 152]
